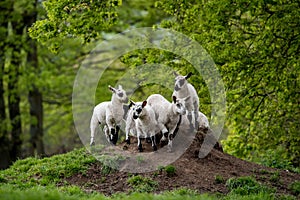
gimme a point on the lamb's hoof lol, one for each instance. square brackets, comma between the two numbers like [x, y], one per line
[154, 148]
[128, 141]
[125, 147]
[114, 139]
[92, 144]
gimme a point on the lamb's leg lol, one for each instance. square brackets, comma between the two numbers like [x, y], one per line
[154, 147]
[190, 118]
[170, 144]
[115, 136]
[106, 132]
[140, 147]
[164, 131]
[170, 138]
[196, 114]
[127, 129]
[112, 130]
[93, 126]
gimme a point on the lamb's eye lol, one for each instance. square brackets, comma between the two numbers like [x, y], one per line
[178, 105]
[139, 110]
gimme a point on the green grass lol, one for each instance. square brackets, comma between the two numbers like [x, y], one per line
[142, 184]
[219, 179]
[295, 187]
[47, 171]
[34, 178]
[171, 170]
[247, 186]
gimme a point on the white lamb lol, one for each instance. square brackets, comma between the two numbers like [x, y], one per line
[203, 121]
[184, 89]
[109, 115]
[130, 122]
[167, 114]
[145, 123]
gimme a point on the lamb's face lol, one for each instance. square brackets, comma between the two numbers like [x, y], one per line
[180, 82]
[138, 109]
[179, 106]
[120, 94]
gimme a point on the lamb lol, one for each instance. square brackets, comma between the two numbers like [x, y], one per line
[145, 123]
[184, 89]
[109, 115]
[130, 122]
[168, 115]
[203, 121]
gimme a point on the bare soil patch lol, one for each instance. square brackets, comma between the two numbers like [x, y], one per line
[191, 172]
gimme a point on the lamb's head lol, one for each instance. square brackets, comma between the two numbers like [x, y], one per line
[138, 109]
[181, 81]
[178, 106]
[119, 94]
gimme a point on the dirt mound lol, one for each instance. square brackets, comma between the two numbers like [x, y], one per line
[191, 172]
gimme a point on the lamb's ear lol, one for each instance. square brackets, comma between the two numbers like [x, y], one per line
[144, 104]
[131, 104]
[112, 89]
[174, 99]
[188, 75]
[120, 87]
[175, 73]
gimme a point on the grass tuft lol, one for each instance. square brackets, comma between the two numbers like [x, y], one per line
[142, 184]
[246, 186]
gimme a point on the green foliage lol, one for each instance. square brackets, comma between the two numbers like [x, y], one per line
[142, 184]
[295, 187]
[47, 193]
[247, 186]
[172, 195]
[109, 163]
[82, 19]
[183, 192]
[47, 171]
[265, 196]
[273, 158]
[219, 179]
[275, 177]
[171, 170]
[259, 65]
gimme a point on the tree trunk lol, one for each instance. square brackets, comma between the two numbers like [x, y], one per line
[34, 96]
[14, 105]
[4, 141]
[36, 122]
[16, 45]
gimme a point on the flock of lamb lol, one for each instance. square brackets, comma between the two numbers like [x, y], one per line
[147, 118]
